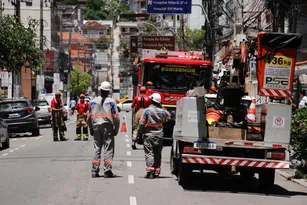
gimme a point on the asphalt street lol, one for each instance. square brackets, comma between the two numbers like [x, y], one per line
[38, 171]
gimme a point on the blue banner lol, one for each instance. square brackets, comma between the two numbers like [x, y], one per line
[169, 7]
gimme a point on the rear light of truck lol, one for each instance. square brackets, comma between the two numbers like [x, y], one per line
[29, 109]
[191, 150]
[276, 155]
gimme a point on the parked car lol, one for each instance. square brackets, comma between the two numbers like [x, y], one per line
[4, 135]
[44, 116]
[20, 116]
[125, 106]
[48, 97]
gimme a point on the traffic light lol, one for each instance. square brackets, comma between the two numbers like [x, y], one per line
[121, 79]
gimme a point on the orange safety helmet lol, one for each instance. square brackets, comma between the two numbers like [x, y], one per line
[143, 89]
[149, 83]
[82, 95]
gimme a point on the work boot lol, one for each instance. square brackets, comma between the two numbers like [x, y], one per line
[55, 139]
[78, 137]
[95, 174]
[150, 175]
[109, 174]
[63, 139]
[85, 137]
[133, 146]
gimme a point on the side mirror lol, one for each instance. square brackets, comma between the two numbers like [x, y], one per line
[135, 79]
[37, 108]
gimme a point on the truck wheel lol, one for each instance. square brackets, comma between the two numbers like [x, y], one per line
[247, 175]
[174, 164]
[266, 178]
[184, 174]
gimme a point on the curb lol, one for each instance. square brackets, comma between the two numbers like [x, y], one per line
[290, 178]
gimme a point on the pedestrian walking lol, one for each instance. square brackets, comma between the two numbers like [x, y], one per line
[73, 105]
[104, 125]
[58, 124]
[82, 109]
[140, 102]
[151, 127]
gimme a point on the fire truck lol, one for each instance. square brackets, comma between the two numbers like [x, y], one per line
[171, 74]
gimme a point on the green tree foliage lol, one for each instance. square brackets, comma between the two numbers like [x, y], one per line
[299, 133]
[95, 10]
[79, 82]
[194, 39]
[18, 45]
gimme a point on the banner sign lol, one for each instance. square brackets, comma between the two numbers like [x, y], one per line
[276, 63]
[169, 7]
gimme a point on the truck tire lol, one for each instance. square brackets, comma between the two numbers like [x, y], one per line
[174, 166]
[266, 178]
[247, 175]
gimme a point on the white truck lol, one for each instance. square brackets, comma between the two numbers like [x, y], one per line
[196, 146]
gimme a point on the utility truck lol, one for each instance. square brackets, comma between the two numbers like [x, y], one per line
[234, 143]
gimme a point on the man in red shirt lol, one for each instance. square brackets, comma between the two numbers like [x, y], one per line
[82, 109]
[140, 102]
[57, 118]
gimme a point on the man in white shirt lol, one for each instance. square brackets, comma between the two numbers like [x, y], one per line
[303, 99]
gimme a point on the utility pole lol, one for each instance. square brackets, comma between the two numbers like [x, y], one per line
[182, 32]
[69, 69]
[174, 24]
[1, 7]
[242, 16]
[41, 36]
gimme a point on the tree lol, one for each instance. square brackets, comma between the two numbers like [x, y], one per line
[79, 82]
[18, 45]
[195, 39]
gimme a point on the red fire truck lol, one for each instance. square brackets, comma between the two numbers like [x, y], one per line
[171, 74]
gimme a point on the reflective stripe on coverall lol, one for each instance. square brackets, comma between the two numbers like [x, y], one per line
[104, 125]
[151, 125]
[57, 119]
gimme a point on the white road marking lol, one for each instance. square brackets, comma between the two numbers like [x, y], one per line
[129, 164]
[132, 200]
[127, 140]
[12, 150]
[37, 138]
[5, 154]
[128, 145]
[128, 152]
[130, 179]
[16, 148]
[22, 145]
[127, 136]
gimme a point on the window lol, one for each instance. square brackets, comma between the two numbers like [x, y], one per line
[84, 31]
[127, 101]
[40, 104]
[124, 30]
[7, 106]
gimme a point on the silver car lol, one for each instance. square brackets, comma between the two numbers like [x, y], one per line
[44, 117]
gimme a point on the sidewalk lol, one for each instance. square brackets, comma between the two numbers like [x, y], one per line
[289, 174]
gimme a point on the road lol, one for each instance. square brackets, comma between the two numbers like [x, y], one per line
[38, 171]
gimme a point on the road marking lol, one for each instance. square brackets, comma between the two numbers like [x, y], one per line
[22, 145]
[12, 150]
[129, 164]
[5, 154]
[132, 200]
[16, 148]
[127, 136]
[128, 152]
[69, 122]
[38, 138]
[127, 140]
[130, 179]
[128, 145]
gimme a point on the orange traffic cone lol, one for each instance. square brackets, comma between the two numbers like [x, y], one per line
[251, 113]
[124, 126]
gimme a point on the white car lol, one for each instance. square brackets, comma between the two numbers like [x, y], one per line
[125, 106]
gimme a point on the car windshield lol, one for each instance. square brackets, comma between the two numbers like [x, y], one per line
[173, 77]
[40, 104]
[6, 106]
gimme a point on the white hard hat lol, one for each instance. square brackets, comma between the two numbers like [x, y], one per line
[105, 85]
[156, 97]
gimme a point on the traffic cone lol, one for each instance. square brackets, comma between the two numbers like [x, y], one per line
[251, 113]
[124, 126]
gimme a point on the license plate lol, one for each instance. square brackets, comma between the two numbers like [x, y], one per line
[204, 145]
[14, 115]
